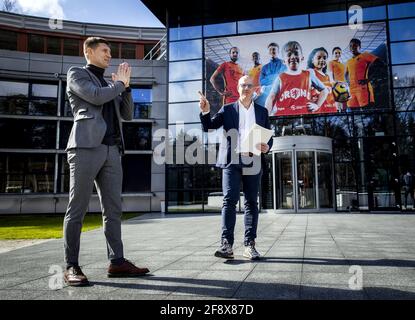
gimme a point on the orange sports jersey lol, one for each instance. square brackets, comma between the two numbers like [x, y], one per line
[357, 68]
[254, 73]
[337, 68]
[231, 72]
[294, 94]
[330, 104]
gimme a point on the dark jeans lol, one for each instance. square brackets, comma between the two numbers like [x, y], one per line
[231, 181]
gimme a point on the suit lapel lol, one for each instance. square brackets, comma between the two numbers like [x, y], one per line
[258, 119]
[235, 116]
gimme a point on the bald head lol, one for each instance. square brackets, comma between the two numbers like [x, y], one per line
[245, 88]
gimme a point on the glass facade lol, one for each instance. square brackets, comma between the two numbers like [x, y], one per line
[371, 148]
[35, 123]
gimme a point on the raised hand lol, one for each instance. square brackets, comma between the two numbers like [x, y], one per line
[123, 74]
[203, 103]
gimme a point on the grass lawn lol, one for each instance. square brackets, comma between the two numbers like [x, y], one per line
[45, 227]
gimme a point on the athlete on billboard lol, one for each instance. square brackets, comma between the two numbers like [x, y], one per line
[231, 73]
[357, 68]
[269, 73]
[336, 67]
[317, 64]
[255, 71]
[291, 91]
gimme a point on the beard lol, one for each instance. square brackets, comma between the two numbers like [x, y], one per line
[234, 59]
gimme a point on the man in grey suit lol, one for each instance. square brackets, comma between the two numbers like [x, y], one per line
[94, 155]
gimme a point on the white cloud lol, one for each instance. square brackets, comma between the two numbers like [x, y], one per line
[46, 8]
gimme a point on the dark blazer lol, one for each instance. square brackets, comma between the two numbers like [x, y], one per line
[228, 117]
[86, 97]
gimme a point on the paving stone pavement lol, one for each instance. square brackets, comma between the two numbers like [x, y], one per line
[305, 256]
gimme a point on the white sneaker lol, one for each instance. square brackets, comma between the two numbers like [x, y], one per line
[225, 251]
[250, 252]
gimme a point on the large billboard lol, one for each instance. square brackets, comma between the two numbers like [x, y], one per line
[314, 71]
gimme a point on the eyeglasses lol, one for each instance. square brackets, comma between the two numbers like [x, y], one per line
[246, 86]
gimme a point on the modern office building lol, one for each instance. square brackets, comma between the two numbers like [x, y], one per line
[35, 118]
[351, 156]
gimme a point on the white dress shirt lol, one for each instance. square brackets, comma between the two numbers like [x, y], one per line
[246, 121]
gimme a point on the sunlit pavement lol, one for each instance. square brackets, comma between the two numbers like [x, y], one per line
[305, 256]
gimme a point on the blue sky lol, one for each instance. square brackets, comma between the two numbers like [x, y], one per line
[119, 12]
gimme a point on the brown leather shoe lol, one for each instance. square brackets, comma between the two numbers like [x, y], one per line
[75, 277]
[126, 269]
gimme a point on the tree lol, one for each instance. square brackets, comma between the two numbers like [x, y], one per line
[9, 5]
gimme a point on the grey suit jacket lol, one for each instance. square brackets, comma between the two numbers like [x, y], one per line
[87, 97]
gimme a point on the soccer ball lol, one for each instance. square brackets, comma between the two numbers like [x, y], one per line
[341, 91]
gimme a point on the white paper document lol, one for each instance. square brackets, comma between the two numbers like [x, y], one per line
[257, 134]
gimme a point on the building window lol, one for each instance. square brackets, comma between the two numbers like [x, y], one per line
[328, 18]
[127, 51]
[403, 10]
[8, 40]
[186, 70]
[257, 25]
[185, 50]
[184, 112]
[27, 134]
[136, 173]
[53, 45]
[137, 136]
[71, 47]
[291, 22]
[401, 30]
[404, 76]
[403, 52]
[219, 29]
[184, 91]
[64, 132]
[36, 43]
[26, 173]
[14, 97]
[184, 33]
[115, 50]
[143, 99]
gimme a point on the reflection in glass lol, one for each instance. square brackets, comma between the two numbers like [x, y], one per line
[405, 99]
[284, 177]
[401, 10]
[257, 25]
[128, 51]
[305, 180]
[327, 18]
[184, 91]
[374, 125]
[346, 195]
[143, 98]
[10, 88]
[45, 90]
[405, 123]
[27, 134]
[403, 52]
[339, 126]
[137, 136]
[184, 112]
[402, 30]
[26, 173]
[183, 33]
[404, 76]
[186, 177]
[185, 50]
[182, 201]
[325, 180]
[219, 29]
[291, 22]
[187, 70]
[43, 108]
[374, 13]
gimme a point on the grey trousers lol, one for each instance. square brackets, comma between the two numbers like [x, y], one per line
[101, 165]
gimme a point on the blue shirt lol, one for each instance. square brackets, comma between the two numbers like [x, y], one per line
[270, 71]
